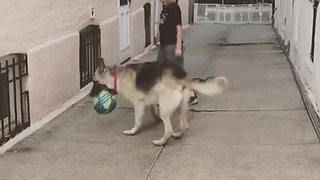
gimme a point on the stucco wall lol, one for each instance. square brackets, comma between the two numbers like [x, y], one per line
[110, 46]
[25, 24]
[289, 20]
[284, 19]
[53, 74]
[48, 32]
[302, 37]
[184, 6]
[316, 79]
[135, 5]
[294, 24]
[137, 32]
[277, 17]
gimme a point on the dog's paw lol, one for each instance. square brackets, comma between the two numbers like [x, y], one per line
[159, 142]
[129, 132]
[177, 134]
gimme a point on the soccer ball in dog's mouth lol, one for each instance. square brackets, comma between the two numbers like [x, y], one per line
[104, 102]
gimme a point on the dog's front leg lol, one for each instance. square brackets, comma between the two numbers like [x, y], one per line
[138, 113]
[167, 132]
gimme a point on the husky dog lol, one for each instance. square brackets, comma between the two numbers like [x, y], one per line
[162, 86]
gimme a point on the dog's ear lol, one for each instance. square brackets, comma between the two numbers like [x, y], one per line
[101, 66]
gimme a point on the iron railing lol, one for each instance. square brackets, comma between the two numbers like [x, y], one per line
[90, 53]
[233, 14]
[14, 99]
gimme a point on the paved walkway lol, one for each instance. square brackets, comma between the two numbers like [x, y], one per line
[258, 129]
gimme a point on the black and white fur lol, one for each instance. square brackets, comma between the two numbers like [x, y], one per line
[161, 85]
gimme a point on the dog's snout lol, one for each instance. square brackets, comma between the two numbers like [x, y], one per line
[97, 88]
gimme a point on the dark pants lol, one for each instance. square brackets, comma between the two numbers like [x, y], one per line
[167, 54]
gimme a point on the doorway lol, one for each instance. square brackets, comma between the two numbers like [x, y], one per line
[147, 24]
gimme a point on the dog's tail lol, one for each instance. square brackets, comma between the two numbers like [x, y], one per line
[209, 86]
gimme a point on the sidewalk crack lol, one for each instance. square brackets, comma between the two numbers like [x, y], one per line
[154, 162]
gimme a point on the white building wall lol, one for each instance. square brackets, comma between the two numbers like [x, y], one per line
[316, 78]
[110, 41]
[184, 6]
[289, 20]
[137, 31]
[48, 31]
[52, 81]
[135, 5]
[294, 23]
[279, 17]
[27, 23]
[301, 46]
[284, 19]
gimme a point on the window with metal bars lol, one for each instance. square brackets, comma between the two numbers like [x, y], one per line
[14, 98]
[90, 53]
[4, 111]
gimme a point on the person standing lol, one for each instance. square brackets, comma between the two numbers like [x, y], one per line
[171, 40]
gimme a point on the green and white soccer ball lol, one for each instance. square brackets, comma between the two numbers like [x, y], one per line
[104, 102]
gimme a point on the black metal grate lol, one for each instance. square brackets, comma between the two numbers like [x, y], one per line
[124, 2]
[90, 53]
[14, 99]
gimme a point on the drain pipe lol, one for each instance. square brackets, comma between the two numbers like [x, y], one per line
[315, 9]
[273, 11]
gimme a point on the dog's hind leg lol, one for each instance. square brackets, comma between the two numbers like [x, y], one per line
[184, 108]
[177, 132]
[155, 112]
[183, 123]
[167, 106]
[138, 113]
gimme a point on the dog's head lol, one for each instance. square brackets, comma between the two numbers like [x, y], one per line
[103, 79]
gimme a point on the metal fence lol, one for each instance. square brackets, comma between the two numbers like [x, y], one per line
[14, 99]
[90, 53]
[233, 14]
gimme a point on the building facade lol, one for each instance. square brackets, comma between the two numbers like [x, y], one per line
[298, 23]
[52, 32]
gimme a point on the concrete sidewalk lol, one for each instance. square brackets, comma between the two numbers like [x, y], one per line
[259, 129]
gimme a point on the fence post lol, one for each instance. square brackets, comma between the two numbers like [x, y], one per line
[195, 13]
[250, 13]
[232, 14]
[218, 11]
[224, 13]
[261, 12]
[206, 11]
